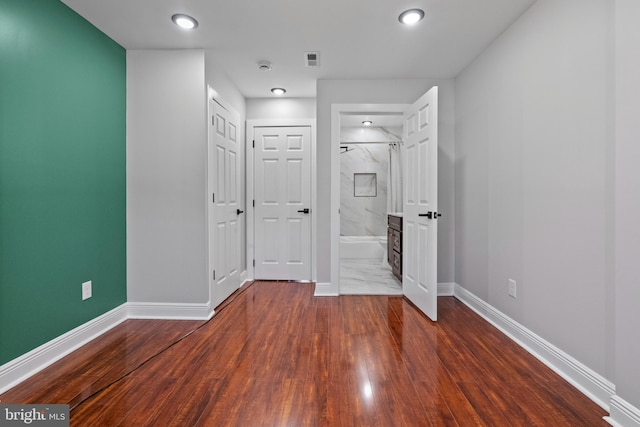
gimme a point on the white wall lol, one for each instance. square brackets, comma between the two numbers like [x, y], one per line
[627, 194]
[166, 177]
[391, 92]
[281, 108]
[534, 168]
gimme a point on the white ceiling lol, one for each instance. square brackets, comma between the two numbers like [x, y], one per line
[357, 39]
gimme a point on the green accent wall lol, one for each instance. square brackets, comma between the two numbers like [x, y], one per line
[62, 173]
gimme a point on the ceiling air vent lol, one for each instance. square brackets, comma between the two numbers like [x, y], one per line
[312, 59]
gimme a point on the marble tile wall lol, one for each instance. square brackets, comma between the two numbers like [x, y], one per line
[364, 216]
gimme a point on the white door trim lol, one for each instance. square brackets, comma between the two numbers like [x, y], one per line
[333, 288]
[250, 168]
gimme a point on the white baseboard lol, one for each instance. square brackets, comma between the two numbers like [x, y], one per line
[21, 368]
[170, 311]
[623, 413]
[325, 290]
[245, 279]
[446, 289]
[176, 311]
[590, 383]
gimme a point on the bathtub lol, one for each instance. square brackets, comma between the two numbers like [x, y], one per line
[362, 247]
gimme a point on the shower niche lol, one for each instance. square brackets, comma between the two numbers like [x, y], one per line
[365, 185]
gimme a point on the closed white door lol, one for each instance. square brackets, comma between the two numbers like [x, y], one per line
[282, 192]
[420, 230]
[226, 217]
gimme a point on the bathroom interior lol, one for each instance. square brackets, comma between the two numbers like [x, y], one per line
[370, 204]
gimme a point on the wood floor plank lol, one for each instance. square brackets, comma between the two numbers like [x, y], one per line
[274, 355]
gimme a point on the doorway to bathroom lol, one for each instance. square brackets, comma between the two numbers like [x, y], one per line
[370, 188]
[420, 194]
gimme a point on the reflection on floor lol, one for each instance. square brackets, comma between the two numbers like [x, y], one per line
[367, 277]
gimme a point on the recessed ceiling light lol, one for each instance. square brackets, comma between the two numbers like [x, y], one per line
[278, 91]
[367, 122]
[411, 16]
[184, 21]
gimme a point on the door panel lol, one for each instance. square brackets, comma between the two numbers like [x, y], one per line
[419, 281]
[294, 181]
[269, 244]
[294, 242]
[221, 167]
[410, 258]
[270, 179]
[233, 177]
[282, 192]
[221, 251]
[423, 238]
[233, 246]
[224, 220]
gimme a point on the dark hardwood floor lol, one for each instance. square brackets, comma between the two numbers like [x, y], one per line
[274, 355]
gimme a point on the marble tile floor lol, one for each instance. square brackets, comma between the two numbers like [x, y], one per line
[367, 277]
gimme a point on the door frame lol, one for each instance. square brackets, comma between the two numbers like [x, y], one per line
[250, 173]
[337, 110]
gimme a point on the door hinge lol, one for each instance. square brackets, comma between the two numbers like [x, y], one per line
[254, 203]
[214, 275]
[254, 262]
[213, 120]
[254, 143]
[213, 197]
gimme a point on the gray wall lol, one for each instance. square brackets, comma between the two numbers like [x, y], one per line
[627, 194]
[166, 177]
[391, 92]
[534, 176]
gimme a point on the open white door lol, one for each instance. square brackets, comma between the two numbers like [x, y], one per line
[420, 230]
[225, 217]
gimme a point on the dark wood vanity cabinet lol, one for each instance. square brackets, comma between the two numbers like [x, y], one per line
[394, 244]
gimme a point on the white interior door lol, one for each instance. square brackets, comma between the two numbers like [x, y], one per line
[225, 218]
[282, 191]
[420, 230]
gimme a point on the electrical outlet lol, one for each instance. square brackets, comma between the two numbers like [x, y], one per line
[512, 288]
[86, 290]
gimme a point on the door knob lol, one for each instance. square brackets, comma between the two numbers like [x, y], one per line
[431, 215]
[305, 211]
[238, 211]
